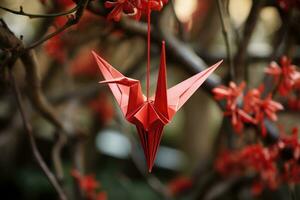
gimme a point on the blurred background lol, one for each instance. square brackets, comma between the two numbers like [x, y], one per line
[99, 141]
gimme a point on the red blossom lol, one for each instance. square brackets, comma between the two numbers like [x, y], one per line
[83, 65]
[179, 185]
[87, 183]
[238, 118]
[253, 158]
[290, 147]
[103, 108]
[257, 188]
[261, 108]
[247, 108]
[291, 172]
[231, 94]
[101, 196]
[294, 104]
[55, 49]
[286, 74]
[291, 143]
[273, 165]
[133, 8]
[267, 108]
[227, 164]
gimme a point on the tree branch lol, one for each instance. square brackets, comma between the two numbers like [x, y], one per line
[34, 147]
[226, 38]
[51, 15]
[35, 89]
[241, 54]
[81, 5]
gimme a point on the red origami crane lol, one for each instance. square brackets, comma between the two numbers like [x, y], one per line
[150, 115]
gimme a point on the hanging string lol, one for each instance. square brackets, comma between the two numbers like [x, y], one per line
[148, 48]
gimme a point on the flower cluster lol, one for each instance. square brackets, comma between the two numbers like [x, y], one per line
[89, 185]
[255, 160]
[134, 8]
[270, 166]
[286, 75]
[250, 107]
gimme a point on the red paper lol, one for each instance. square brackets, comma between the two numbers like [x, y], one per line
[150, 116]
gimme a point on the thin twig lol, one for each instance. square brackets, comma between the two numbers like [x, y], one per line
[36, 153]
[51, 15]
[71, 21]
[36, 94]
[241, 54]
[226, 38]
[56, 156]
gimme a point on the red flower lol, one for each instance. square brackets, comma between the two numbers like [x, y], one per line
[55, 47]
[87, 183]
[294, 104]
[287, 75]
[83, 65]
[132, 8]
[291, 143]
[257, 188]
[103, 108]
[273, 165]
[179, 185]
[101, 196]
[267, 108]
[291, 172]
[233, 95]
[290, 147]
[122, 6]
[261, 108]
[238, 118]
[228, 163]
[252, 159]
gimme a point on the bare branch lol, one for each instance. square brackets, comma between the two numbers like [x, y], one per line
[241, 54]
[35, 89]
[56, 156]
[224, 18]
[51, 15]
[34, 147]
[71, 21]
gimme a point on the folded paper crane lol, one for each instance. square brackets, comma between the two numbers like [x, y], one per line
[150, 116]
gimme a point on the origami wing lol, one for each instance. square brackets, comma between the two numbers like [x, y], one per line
[126, 91]
[180, 93]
